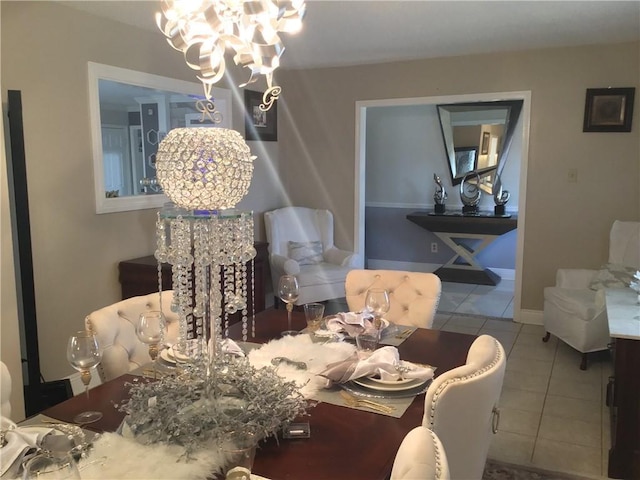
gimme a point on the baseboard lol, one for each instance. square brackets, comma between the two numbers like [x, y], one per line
[530, 317]
[374, 264]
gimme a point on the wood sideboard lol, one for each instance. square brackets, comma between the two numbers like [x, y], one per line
[623, 390]
[139, 276]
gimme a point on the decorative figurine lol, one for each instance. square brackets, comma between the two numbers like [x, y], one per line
[470, 193]
[500, 197]
[440, 196]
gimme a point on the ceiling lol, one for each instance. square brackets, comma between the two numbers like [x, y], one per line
[339, 33]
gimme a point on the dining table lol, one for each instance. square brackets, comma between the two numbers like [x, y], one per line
[344, 443]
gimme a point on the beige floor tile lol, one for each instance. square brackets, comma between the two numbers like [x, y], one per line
[519, 421]
[531, 329]
[565, 387]
[534, 367]
[566, 430]
[530, 339]
[542, 351]
[459, 329]
[512, 448]
[526, 381]
[565, 457]
[521, 399]
[573, 408]
[571, 371]
[502, 325]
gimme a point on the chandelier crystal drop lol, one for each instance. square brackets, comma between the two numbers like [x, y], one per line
[204, 29]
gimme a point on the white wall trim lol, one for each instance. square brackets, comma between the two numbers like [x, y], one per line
[531, 317]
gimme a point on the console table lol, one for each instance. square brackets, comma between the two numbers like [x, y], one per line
[453, 228]
[139, 276]
[623, 390]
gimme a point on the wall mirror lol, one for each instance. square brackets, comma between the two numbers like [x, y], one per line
[477, 136]
[131, 112]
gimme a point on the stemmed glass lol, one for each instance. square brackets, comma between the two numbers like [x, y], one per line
[51, 466]
[288, 291]
[83, 353]
[377, 302]
[149, 330]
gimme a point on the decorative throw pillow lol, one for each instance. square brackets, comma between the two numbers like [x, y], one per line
[306, 253]
[613, 275]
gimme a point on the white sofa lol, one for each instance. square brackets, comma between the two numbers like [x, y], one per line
[320, 267]
[574, 309]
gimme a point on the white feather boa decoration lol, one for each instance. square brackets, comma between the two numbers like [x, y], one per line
[301, 348]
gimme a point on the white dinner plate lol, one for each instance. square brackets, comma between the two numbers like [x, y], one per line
[398, 381]
[367, 382]
[166, 357]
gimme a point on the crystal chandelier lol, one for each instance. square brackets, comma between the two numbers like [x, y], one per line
[204, 29]
[206, 172]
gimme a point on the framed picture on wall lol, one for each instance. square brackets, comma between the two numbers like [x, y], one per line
[484, 149]
[258, 124]
[608, 110]
[466, 160]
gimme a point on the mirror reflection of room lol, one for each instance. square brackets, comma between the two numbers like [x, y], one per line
[476, 134]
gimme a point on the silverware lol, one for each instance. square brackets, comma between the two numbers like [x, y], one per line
[404, 333]
[352, 401]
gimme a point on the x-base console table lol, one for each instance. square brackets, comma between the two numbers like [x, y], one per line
[453, 228]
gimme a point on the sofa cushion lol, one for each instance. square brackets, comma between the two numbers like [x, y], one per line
[612, 275]
[306, 253]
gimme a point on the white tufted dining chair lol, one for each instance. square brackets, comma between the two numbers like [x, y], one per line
[461, 407]
[421, 456]
[413, 296]
[115, 327]
[5, 390]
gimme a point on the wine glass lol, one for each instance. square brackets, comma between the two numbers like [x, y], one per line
[377, 302]
[83, 353]
[149, 330]
[288, 291]
[51, 466]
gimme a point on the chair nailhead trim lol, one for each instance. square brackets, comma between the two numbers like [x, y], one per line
[438, 455]
[442, 387]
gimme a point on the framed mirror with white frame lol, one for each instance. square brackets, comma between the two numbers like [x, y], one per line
[131, 112]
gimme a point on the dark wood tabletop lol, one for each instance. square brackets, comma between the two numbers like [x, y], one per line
[345, 443]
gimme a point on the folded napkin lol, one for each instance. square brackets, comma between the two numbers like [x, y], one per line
[21, 443]
[384, 363]
[351, 323]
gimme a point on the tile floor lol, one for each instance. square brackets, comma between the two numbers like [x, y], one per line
[553, 414]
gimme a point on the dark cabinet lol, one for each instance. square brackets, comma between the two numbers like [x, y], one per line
[139, 276]
[623, 399]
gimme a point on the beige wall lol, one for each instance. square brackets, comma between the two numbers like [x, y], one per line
[45, 50]
[566, 223]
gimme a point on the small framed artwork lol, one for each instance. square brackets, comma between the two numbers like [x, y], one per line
[466, 160]
[258, 124]
[608, 110]
[484, 148]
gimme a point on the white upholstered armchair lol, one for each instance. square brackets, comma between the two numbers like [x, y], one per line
[301, 244]
[461, 407]
[115, 328]
[574, 309]
[413, 296]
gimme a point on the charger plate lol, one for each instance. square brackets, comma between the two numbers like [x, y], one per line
[361, 391]
[388, 386]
